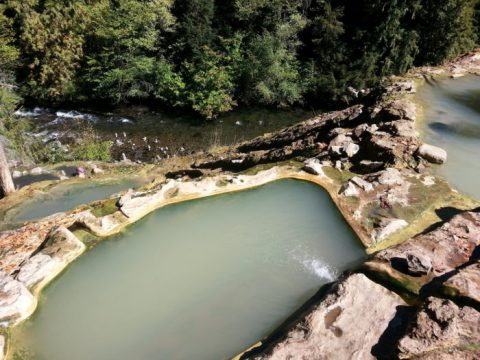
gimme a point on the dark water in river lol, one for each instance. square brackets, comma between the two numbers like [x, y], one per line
[146, 135]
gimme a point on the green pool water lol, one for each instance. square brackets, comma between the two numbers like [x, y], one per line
[203, 279]
[452, 121]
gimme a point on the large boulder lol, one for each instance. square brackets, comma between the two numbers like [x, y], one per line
[347, 324]
[343, 145]
[441, 325]
[432, 154]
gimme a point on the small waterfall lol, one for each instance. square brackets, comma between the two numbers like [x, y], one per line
[320, 269]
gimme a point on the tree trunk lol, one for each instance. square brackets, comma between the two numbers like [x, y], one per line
[6, 182]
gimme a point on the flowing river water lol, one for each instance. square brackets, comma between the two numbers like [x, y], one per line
[203, 279]
[452, 122]
[144, 135]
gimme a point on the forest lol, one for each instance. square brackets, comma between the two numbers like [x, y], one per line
[211, 56]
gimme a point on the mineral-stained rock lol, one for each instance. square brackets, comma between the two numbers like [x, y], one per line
[16, 302]
[403, 128]
[432, 154]
[441, 325]
[18, 245]
[466, 283]
[400, 109]
[382, 146]
[61, 249]
[347, 324]
[446, 248]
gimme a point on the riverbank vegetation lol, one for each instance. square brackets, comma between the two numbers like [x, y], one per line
[210, 56]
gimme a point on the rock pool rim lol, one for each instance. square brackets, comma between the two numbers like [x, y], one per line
[279, 173]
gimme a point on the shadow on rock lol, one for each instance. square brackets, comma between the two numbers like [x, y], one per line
[445, 214]
[387, 344]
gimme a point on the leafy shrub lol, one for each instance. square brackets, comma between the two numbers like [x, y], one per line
[93, 150]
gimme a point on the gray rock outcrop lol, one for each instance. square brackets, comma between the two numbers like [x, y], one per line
[427, 257]
[61, 249]
[466, 283]
[333, 329]
[16, 302]
[441, 325]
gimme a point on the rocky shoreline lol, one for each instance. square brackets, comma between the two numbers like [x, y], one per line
[372, 162]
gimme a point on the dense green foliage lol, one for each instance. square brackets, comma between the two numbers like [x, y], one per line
[212, 55]
[8, 98]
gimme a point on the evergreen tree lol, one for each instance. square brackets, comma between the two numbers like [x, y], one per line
[8, 99]
[210, 87]
[51, 37]
[124, 61]
[446, 29]
[325, 45]
[195, 29]
[394, 40]
[210, 55]
[271, 72]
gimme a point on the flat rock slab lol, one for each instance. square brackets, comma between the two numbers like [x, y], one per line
[16, 302]
[441, 325]
[428, 256]
[347, 324]
[61, 249]
[400, 109]
[466, 283]
[16, 246]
